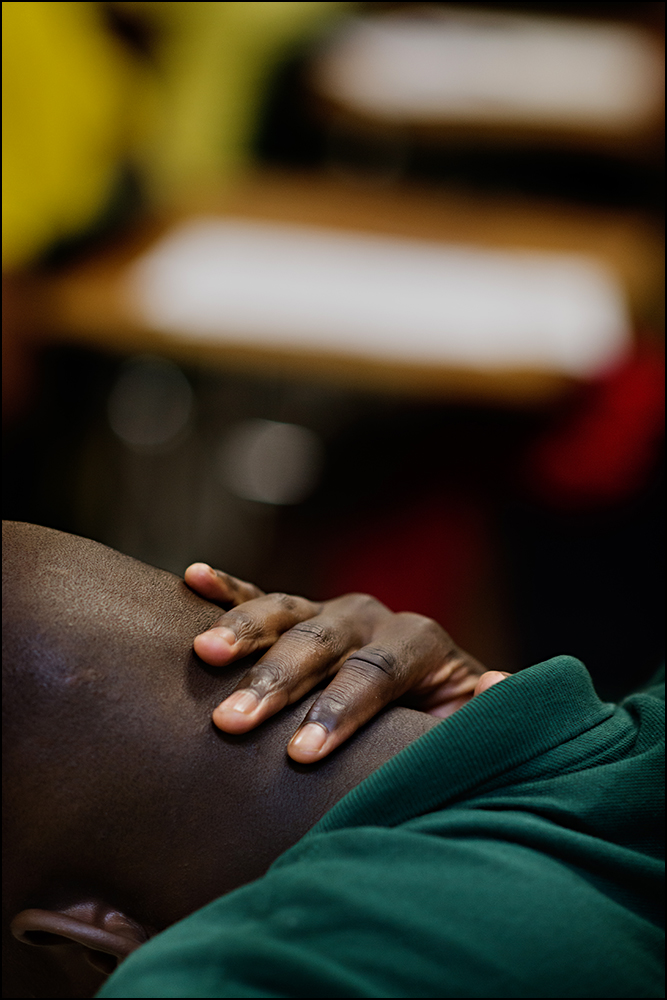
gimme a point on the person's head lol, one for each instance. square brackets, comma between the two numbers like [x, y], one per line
[125, 808]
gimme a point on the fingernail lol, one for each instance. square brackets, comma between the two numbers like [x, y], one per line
[221, 635]
[241, 701]
[202, 567]
[310, 738]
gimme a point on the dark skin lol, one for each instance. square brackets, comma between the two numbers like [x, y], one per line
[125, 807]
[374, 657]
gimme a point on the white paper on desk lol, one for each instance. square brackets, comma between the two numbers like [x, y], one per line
[238, 281]
[495, 68]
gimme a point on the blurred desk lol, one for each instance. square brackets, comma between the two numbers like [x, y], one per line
[89, 303]
[455, 74]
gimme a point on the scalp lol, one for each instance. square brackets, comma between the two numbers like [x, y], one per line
[53, 581]
[105, 706]
[73, 608]
[87, 629]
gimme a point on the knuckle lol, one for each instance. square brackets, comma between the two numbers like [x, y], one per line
[243, 624]
[317, 634]
[328, 710]
[362, 599]
[420, 625]
[364, 603]
[285, 601]
[266, 677]
[374, 662]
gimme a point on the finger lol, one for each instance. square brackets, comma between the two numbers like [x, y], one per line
[403, 649]
[303, 656]
[448, 688]
[488, 679]
[253, 625]
[219, 587]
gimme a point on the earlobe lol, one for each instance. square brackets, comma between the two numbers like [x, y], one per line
[106, 935]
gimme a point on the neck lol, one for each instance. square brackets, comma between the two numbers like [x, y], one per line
[285, 800]
[192, 812]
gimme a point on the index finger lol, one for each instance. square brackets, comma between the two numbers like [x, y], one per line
[255, 624]
[219, 587]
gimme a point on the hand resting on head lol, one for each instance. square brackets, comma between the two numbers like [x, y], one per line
[125, 807]
[373, 655]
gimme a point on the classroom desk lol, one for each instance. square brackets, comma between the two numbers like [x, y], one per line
[87, 303]
[494, 77]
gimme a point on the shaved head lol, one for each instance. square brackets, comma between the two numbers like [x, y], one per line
[101, 691]
[108, 747]
[124, 805]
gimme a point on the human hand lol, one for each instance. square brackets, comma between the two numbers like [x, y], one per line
[373, 655]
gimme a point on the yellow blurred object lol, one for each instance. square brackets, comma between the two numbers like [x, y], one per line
[65, 88]
[76, 103]
[213, 62]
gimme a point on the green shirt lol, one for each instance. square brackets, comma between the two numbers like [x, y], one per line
[514, 850]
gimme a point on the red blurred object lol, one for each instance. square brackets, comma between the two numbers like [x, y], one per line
[606, 447]
[423, 557]
[432, 554]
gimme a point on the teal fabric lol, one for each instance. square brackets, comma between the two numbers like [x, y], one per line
[514, 850]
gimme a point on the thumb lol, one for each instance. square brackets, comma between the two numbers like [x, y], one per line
[488, 679]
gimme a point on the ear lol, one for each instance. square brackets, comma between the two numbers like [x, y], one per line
[105, 935]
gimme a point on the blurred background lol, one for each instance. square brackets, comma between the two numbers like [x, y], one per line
[349, 296]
